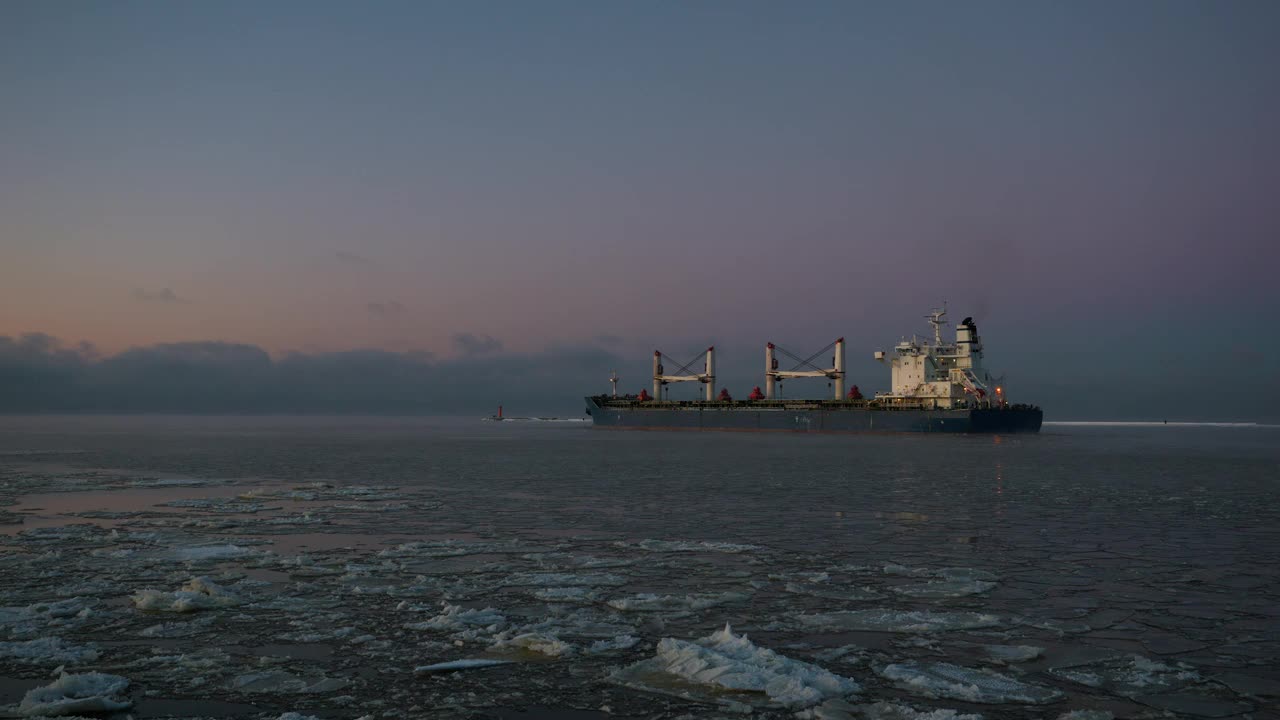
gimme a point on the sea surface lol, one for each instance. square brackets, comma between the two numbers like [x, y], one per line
[252, 567]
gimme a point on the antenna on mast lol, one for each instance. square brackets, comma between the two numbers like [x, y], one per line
[935, 319]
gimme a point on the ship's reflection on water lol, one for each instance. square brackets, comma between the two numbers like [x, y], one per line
[1122, 570]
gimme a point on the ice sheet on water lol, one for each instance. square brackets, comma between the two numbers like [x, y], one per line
[219, 505]
[650, 602]
[944, 588]
[894, 711]
[834, 592]
[69, 694]
[200, 593]
[1005, 654]
[1087, 715]
[281, 682]
[724, 666]
[677, 546]
[946, 573]
[455, 665]
[37, 618]
[51, 651]
[550, 579]
[944, 680]
[178, 629]
[1128, 675]
[566, 594]
[904, 621]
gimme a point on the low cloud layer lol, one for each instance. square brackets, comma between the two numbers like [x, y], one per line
[40, 374]
[387, 310]
[163, 295]
[471, 345]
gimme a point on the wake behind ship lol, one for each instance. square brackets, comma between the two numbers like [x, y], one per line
[937, 387]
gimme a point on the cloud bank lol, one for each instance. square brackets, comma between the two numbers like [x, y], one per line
[40, 374]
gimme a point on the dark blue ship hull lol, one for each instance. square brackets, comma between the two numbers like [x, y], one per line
[804, 416]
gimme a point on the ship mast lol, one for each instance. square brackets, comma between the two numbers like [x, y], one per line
[613, 380]
[935, 319]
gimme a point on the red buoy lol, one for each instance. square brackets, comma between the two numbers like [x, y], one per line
[643, 396]
[724, 395]
[756, 394]
[855, 393]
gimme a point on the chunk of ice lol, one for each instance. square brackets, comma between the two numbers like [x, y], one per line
[675, 546]
[533, 642]
[1012, 653]
[961, 683]
[1128, 676]
[69, 694]
[724, 662]
[48, 651]
[620, 642]
[456, 617]
[944, 588]
[199, 593]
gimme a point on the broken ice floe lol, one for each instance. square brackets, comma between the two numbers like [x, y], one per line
[281, 682]
[676, 546]
[1129, 675]
[200, 593]
[533, 642]
[649, 602]
[617, 643]
[947, 573]
[727, 667]
[905, 621]
[456, 618]
[944, 588]
[1006, 654]
[35, 619]
[894, 711]
[944, 680]
[212, 553]
[69, 694]
[1087, 715]
[566, 594]
[49, 651]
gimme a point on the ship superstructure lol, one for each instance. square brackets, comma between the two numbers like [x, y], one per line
[941, 374]
[936, 386]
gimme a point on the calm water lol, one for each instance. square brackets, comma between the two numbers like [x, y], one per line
[1137, 568]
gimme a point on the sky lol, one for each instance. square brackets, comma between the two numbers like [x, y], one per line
[436, 207]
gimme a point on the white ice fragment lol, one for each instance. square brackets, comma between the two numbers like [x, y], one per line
[456, 618]
[296, 716]
[971, 684]
[727, 662]
[47, 651]
[548, 579]
[90, 692]
[620, 642]
[452, 665]
[549, 645]
[199, 593]
[1087, 715]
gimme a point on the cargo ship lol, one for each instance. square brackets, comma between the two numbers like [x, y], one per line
[936, 387]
